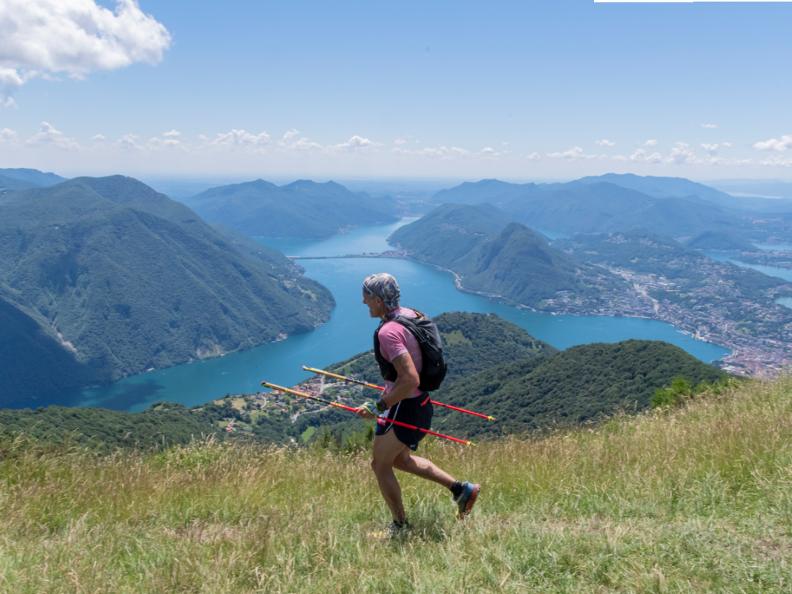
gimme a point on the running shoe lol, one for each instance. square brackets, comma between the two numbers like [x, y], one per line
[466, 498]
[398, 529]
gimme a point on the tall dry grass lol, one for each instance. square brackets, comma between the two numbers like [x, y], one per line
[695, 499]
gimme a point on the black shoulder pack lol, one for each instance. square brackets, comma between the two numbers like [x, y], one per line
[433, 368]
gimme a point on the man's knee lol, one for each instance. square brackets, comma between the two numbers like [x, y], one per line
[378, 465]
[402, 461]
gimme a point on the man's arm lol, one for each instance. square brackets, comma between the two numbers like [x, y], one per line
[405, 385]
[407, 380]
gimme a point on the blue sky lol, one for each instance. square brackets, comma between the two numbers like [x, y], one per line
[516, 90]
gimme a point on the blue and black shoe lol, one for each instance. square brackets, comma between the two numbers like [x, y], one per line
[466, 498]
[398, 529]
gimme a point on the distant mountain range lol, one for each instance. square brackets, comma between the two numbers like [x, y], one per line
[302, 209]
[104, 277]
[668, 206]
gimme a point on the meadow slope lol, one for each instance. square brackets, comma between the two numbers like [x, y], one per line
[698, 498]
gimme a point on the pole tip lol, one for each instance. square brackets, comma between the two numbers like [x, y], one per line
[490, 418]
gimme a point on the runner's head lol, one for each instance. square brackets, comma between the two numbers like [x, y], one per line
[381, 287]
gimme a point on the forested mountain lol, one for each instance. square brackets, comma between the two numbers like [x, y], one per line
[715, 240]
[492, 191]
[450, 232]
[302, 209]
[10, 183]
[493, 256]
[578, 385]
[106, 277]
[21, 179]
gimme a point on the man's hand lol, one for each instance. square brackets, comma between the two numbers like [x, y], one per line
[366, 411]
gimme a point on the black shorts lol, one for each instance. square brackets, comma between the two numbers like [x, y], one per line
[416, 411]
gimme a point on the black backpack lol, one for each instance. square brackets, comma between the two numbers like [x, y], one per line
[433, 368]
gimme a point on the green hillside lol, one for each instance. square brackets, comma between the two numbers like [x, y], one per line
[449, 232]
[576, 386]
[696, 499]
[496, 257]
[302, 209]
[161, 426]
[123, 279]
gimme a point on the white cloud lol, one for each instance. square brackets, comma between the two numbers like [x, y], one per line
[712, 149]
[98, 138]
[709, 126]
[236, 137]
[437, 152]
[41, 38]
[129, 142]
[572, 154]
[355, 143]
[49, 135]
[290, 136]
[400, 141]
[10, 80]
[775, 144]
[641, 155]
[7, 135]
[533, 156]
[776, 161]
[651, 142]
[292, 139]
[169, 139]
[605, 142]
[681, 154]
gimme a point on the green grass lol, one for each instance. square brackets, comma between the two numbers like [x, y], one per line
[697, 498]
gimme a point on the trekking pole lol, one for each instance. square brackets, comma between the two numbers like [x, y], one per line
[351, 409]
[380, 388]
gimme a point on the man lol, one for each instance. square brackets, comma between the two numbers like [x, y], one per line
[403, 401]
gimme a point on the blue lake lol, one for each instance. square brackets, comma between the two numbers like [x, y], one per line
[783, 273]
[785, 301]
[774, 247]
[350, 329]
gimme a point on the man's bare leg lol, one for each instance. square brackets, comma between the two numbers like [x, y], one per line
[387, 448]
[422, 467]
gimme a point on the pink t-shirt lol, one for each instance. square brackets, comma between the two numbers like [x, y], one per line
[395, 339]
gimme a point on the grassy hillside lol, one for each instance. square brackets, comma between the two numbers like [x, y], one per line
[693, 499]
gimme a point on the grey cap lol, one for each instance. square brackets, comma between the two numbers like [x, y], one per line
[384, 286]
